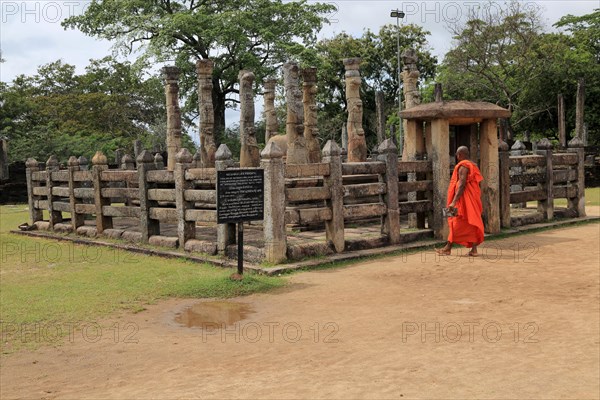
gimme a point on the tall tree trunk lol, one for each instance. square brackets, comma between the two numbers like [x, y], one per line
[219, 108]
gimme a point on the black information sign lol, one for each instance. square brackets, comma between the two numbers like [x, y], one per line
[240, 195]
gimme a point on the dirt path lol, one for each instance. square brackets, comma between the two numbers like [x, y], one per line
[417, 327]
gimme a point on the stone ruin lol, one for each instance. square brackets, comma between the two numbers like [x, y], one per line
[306, 187]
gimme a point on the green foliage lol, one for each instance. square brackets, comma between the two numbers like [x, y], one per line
[59, 112]
[507, 59]
[379, 72]
[243, 34]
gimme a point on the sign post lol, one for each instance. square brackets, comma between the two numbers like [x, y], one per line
[240, 198]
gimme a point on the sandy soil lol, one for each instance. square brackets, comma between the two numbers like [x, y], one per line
[520, 322]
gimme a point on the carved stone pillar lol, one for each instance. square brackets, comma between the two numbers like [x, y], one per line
[297, 153]
[311, 132]
[410, 77]
[272, 125]
[249, 153]
[171, 75]
[357, 144]
[208, 147]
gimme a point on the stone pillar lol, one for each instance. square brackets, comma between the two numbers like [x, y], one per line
[345, 139]
[272, 125]
[410, 77]
[357, 144]
[414, 149]
[297, 152]
[578, 203]
[127, 162]
[438, 92]
[579, 114]
[35, 214]
[428, 148]
[562, 129]
[388, 153]
[148, 226]
[83, 163]
[489, 168]
[186, 230]
[440, 147]
[76, 219]
[334, 228]
[380, 110]
[3, 160]
[197, 159]
[546, 207]
[428, 175]
[249, 153]
[309, 100]
[274, 222]
[225, 232]
[474, 143]
[54, 216]
[118, 156]
[517, 149]
[208, 147]
[159, 163]
[504, 176]
[137, 148]
[171, 75]
[99, 164]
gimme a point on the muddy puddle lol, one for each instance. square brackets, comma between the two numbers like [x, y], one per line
[213, 314]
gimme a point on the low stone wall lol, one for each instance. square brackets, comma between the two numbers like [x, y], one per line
[166, 208]
[542, 177]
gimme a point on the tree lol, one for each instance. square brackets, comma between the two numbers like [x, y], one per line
[59, 112]
[494, 55]
[379, 71]
[584, 62]
[243, 34]
[508, 59]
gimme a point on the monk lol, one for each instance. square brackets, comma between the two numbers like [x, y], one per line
[464, 195]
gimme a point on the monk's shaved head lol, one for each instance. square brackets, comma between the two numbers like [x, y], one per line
[462, 153]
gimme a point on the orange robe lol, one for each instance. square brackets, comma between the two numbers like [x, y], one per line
[467, 227]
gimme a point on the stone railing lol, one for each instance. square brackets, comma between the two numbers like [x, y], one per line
[161, 207]
[542, 177]
[168, 208]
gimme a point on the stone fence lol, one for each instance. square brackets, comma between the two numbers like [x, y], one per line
[542, 177]
[167, 208]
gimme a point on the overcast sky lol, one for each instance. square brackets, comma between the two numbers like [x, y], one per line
[31, 34]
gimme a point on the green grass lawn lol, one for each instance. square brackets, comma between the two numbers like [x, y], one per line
[51, 282]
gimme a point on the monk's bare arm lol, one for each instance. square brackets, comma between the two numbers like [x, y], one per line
[463, 172]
